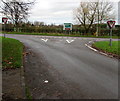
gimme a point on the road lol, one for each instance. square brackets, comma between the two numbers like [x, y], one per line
[80, 72]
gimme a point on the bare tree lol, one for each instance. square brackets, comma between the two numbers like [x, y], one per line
[104, 12]
[16, 10]
[85, 14]
[90, 12]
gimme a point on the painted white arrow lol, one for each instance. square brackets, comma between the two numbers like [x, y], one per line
[69, 41]
[44, 40]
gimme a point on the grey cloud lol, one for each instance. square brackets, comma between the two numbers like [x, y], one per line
[58, 11]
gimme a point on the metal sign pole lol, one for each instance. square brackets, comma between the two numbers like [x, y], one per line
[111, 24]
[4, 19]
[69, 32]
[110, 37]
[4, 29]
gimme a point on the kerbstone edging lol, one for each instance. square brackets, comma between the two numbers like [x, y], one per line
[89, 45]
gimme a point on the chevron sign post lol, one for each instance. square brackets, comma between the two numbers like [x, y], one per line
[4, 20]
[111, 24]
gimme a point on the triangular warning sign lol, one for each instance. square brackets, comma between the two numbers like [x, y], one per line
[4, 20]
[111, 24]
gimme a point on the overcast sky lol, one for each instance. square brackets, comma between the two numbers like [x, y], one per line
[55, 11]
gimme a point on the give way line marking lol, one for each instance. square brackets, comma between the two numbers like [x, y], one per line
[69, 41]
[45, 40]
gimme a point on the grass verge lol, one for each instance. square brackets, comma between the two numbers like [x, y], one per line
[12, 50]
[61, 34]
[27, 91]
[104, 46]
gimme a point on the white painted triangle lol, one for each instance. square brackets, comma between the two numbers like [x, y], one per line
[69, 41]
[45, 40]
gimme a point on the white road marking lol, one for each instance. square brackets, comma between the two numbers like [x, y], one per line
[46, 81]
[69, 41]
[90, 47]
[103, 53]
[96, 50]
[45, 40]
[90, 42]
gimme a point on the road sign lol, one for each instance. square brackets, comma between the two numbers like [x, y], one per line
[67, 26]
[111, 24]
[4, 20]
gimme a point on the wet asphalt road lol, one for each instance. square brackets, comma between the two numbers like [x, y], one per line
[93, 75]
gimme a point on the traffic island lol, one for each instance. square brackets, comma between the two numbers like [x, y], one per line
[104, 47]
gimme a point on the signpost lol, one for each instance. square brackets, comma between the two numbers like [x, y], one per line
[111, 24]
[4, 20]
[67, 27]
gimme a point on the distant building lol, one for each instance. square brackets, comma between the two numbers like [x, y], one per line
[119, 13]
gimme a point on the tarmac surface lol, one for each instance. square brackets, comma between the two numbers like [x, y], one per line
[64, 68]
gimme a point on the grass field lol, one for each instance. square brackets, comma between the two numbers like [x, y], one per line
[12, 51]
[104, 45]
[60, 34]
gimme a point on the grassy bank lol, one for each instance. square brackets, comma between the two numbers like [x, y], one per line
[12, 50]
[60, 34]
[104, 46]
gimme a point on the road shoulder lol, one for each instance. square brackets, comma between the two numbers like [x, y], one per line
[12, 86]
[45, 82]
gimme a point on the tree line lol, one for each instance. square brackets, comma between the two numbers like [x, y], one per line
[76, 30]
